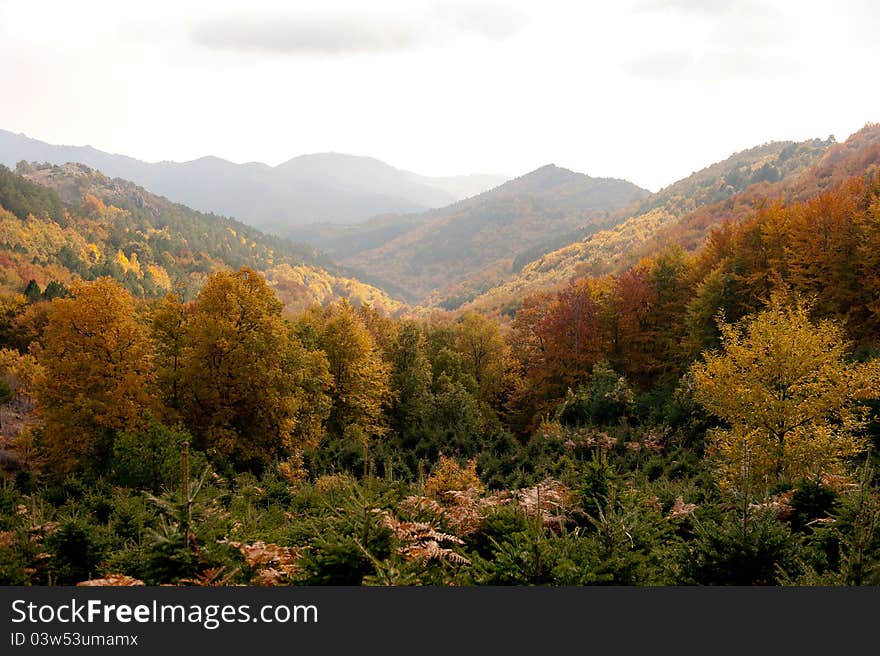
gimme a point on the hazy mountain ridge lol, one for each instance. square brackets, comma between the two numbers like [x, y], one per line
[324, 187]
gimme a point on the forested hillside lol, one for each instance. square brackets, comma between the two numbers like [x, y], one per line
[723, 190]
[477, 239]
[700, 417]
[63, 223]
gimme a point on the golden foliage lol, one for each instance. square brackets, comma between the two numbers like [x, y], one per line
[479, 341]
[449, 475]
[97, 372]
[21, 370]
[302, 286]
[92, 205]
[293, 470]
[240, 374]
[361, 378]
[160, 276]
[335, 482]
[783, 385]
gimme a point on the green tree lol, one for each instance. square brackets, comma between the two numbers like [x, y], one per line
[604, 399]
[411, 383]
[55, 290]
[150, 458]
[168, 328]
[457, 424]
[32, 292]
[6, 395]
[478, 340]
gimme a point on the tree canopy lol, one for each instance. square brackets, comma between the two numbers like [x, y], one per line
[788, 393]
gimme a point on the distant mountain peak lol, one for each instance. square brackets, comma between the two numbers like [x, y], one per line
[474, 240]
[553, 167]
[554, 180]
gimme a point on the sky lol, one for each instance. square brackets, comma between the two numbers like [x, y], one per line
[646, 90]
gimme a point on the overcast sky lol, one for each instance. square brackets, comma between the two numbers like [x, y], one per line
[646, 90]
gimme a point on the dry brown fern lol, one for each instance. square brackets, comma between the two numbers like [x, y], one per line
[274, 564]
[7, 538]
[463, 511]
[681, 510]
[422, 540]
[211, 577]
[778, 505]
[112, 580]
[466, 510]
[550, 499]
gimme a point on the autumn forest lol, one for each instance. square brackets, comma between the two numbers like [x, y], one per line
[607, 387]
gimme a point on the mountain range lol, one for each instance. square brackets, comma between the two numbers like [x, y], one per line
[485, 252]
[322, 187]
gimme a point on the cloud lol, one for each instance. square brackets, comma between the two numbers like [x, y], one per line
[689, 7]
[718, 40]
[321, 35]
[351, 32]
[860, 21]
[150, 30]
[661, 65]
[714, 65]
[494, 21]
[740, 24]
[705, 8]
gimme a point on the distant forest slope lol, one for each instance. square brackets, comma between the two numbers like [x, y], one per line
[60, 223]
[685, 211]
[478, 238]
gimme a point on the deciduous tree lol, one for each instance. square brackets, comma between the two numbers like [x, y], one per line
[248, 389]
[97, 374]
[361, 378]
[790, 397]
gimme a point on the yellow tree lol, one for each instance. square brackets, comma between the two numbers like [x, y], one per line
[382, 328]
[246, 386]
[788, 394]
[169, 320]
[361, 378]
[96, 373]
[12, 306]
[478, 340]
[20, 370]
